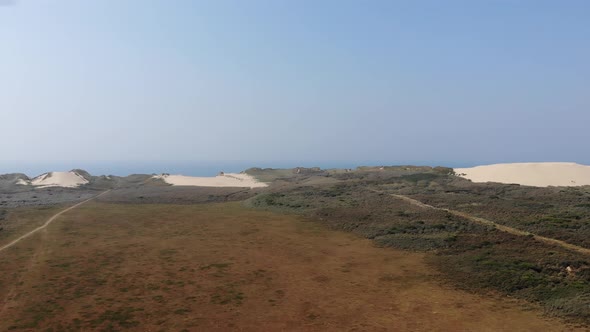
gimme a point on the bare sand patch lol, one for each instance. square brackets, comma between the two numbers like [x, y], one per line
[530, 174]
[223, 180]
[69, 179]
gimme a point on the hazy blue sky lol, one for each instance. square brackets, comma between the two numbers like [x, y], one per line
[431, 82]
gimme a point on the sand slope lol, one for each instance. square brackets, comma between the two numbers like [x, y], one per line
[225, 180]
[530, 174]
[56, 179]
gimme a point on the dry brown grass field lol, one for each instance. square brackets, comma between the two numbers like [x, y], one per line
[223, 267]
[20, 221]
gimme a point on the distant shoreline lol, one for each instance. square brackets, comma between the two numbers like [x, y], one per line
[196, 168]
[184, 168]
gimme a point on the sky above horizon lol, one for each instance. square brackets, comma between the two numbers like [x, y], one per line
[456, 83]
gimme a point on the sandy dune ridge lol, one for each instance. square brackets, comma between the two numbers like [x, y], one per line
[530, 174]
[69, 179]
[223, 180]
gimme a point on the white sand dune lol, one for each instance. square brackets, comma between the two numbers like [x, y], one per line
[23, 182]
[530, 174]
[225, 180]
[56, 179]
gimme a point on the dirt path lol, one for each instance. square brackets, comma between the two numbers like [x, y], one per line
[494, 224]
[48, 222]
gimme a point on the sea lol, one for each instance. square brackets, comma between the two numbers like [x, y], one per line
[191, 168]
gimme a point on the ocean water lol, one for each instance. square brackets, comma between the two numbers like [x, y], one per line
[205, 168]
[125, 168]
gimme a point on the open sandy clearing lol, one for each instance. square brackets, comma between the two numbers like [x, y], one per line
[69, 179]
[220, 267]
[530, 174]
[222, 180]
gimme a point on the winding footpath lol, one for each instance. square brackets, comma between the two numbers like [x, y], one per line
[491, 223]
[49, 221]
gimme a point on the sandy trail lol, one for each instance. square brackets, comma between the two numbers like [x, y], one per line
[48, 222]
[494, 224]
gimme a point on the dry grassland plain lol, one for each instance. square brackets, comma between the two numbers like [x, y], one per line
[222, 267]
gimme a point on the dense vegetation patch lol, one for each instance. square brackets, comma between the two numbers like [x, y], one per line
[472, 256]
